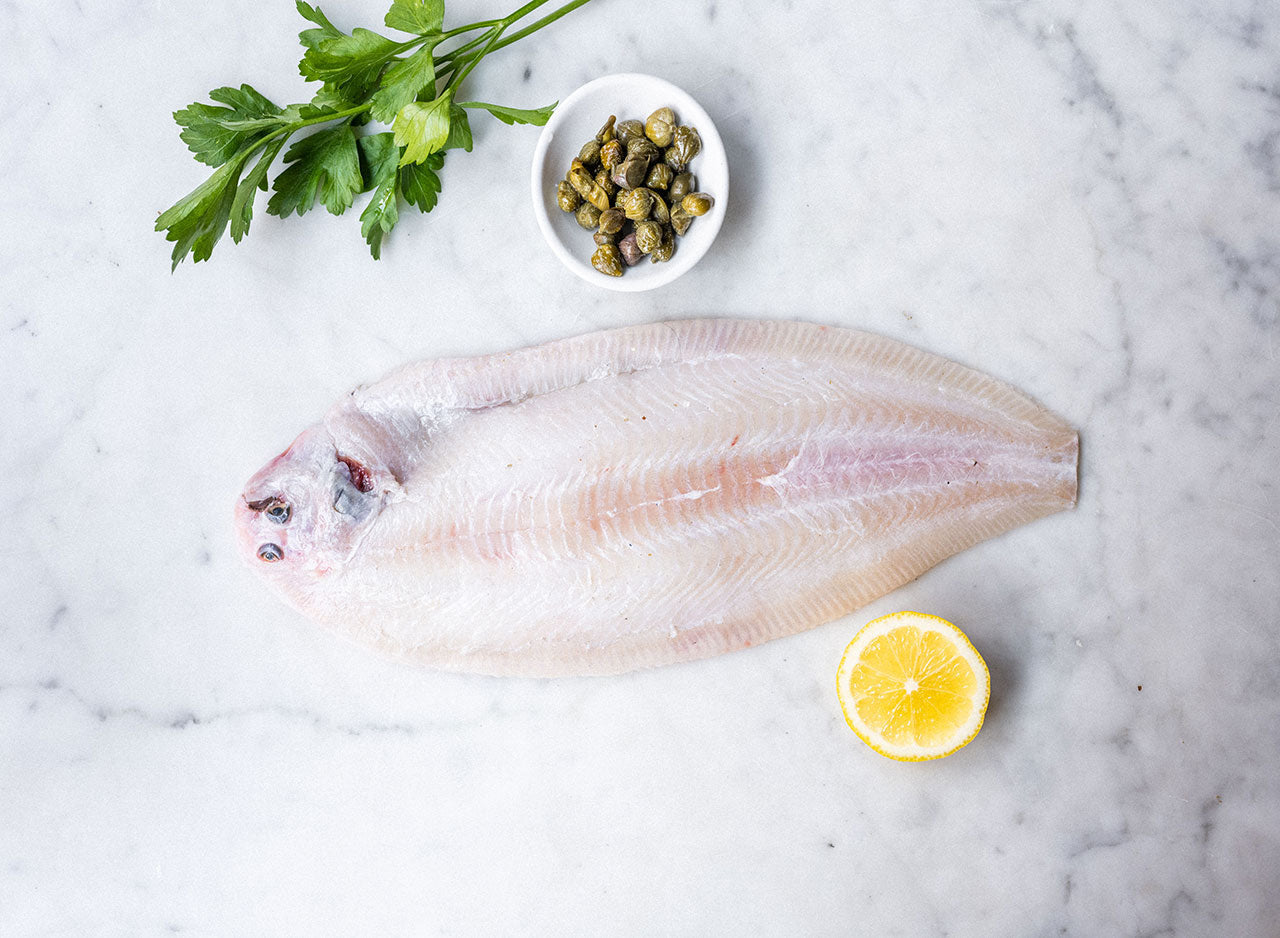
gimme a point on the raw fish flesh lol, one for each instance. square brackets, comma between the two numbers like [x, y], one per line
[644, 495]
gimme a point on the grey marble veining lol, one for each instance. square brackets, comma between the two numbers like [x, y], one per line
[1082, 199]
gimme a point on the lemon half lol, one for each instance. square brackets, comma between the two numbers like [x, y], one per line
[913, 687]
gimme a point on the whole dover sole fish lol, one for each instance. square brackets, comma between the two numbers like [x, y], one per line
[643, 495]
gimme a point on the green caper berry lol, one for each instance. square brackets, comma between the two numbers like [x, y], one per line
[680, 219]
[687, 143]
[612, 220]
[630, 173]
[588, 216]
[612, 153]
[648, 236]
[682, 185]
[606, 132]
[628, 130]
[660, 176]
[605, 183]
[567, 197]
[590, 154]
[607, 260]
[665, 250]
[660, 126]
[671, 156]
[602, 237]
[697, 203]
[659, 210]
[581, 180]
[637, 203]
[642, 148]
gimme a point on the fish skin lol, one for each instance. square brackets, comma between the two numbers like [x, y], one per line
[645, 495]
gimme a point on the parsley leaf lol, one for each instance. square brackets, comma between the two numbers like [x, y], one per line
[511, 115]
[245, 101]
[380, 155]
[247, 191]
[416, 16]
[325, 165]
[311, 38]
[350, 64]
[195, 222]
[420, 182]
[402, 82]
[214, 134]
[459, 130]
[423, 128]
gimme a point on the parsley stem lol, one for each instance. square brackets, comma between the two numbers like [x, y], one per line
[453, 54]
[436, 39]
[494, 35]
[506, 21]
[449, 63]
[458, 31]
[523, 11]
[325, 118]
[538, 24]
[291, 128]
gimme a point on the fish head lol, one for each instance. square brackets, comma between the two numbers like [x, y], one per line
[303, 513]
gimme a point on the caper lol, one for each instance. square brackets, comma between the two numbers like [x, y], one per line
[581, 180]
[590, 154]
[605, 183]
[697, 203]
[630, 173]
[628, 130]
[642, 148]
[567, 197]
[588, 216]
[659, 212]
[637, 203]
[667, 248]
[660, 125]
[680, 219]
[612, 220]
[648, 236]
[607, 260]
[631, 188]
[660, 175]
[629, 250]
[687, 144]
[682, 185]
[612, 153]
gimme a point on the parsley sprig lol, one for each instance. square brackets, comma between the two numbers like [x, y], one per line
[409, 84]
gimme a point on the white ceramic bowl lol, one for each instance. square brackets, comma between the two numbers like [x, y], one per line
[575, 121]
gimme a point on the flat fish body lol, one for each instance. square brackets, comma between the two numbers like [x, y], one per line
[644, 495]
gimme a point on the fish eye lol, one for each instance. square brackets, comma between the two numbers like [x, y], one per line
[270, 553]
[279, 511]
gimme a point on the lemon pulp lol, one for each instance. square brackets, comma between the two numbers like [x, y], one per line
[912, 686]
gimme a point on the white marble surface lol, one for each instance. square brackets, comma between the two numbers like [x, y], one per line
[1081, 198]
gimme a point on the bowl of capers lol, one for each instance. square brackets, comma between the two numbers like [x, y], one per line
[630, 182]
